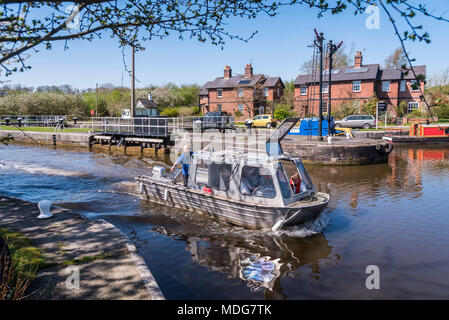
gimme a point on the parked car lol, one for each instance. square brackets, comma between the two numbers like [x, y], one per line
[216, 119]
[262, 120]
[356, 121]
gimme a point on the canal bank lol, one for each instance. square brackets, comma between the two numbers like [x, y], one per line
[106, 261]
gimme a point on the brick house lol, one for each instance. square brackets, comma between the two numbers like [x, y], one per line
[357, 84]
[248, 93]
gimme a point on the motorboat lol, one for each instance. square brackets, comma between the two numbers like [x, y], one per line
[256, 191]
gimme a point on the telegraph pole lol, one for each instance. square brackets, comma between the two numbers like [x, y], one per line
[319, 42]
[332, 49]
[133, 79]
[96, 101]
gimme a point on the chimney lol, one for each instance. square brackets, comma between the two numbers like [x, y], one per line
[150, 96]
[358, 59]
[248, 70]
[227, 72]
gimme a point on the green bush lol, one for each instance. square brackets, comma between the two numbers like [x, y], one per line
[346, 109]
[401, 109]
[170, 112]
[238, 113]
[370, 106]
[441, 111]
[282, 111]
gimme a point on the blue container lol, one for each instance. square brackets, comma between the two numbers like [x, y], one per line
[310, 127]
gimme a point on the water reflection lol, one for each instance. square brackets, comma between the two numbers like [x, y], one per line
[260, 262]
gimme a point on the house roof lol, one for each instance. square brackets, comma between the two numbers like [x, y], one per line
[366, 72]
[233, 82]
[349, 73]
[148, 104]
[271, 82]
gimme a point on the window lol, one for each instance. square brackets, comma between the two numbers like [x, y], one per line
[325, 88]
[402, 86]
[213, 175]
[414, 85]
[303, 90]
[241, 107]
[285, 188]
[357, 86]
[324, 107]
[265, 92]
[240, 92]
[257, 182]
[261, 110]
[219, 93]
[385, 86]
[412, 106]
[279, 92]
[219, 108]
[265, 117]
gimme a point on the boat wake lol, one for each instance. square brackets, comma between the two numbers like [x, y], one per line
[38, 169]
[306, 229]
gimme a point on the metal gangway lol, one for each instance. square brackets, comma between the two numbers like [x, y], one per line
[158, 126]
[32, 120]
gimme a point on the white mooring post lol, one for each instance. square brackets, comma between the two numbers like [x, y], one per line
[44, 208]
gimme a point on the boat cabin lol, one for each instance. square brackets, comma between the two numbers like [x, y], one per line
[268, 180]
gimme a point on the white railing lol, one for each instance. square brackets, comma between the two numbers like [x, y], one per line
[32, 120]
[158, 126]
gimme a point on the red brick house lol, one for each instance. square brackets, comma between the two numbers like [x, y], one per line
[357, 84]
[248, 93]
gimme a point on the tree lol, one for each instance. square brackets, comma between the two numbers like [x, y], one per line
[396, 60]
[24, 24]
[341, 58]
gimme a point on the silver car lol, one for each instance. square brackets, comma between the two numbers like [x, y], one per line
[356, 121]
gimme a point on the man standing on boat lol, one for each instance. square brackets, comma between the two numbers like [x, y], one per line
[184, 160]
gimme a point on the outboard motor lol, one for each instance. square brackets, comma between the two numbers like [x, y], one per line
[19, 122]
[7, 120]
[75, 119]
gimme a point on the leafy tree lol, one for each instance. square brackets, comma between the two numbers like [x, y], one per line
[396, 60]
[341, 58]
[27, 24]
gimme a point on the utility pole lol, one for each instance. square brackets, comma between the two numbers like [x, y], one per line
[133, 79]
[96, 101]
[319, 42]
[332, 49]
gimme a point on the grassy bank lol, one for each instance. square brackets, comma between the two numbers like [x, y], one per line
[21, 267]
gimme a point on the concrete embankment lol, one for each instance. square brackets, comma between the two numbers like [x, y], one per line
[60, 138]
[340, 152]
[108, 263]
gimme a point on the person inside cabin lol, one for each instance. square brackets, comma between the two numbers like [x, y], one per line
[295, 183]
[184, 161]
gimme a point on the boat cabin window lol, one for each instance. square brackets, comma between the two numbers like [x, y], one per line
[213, 175]
[296, 178]
[283, 182]
[257, 182]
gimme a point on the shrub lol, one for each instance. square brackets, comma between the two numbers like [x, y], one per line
[401, 110]
[238, 113]
[282, 111]
[186, 111]
[170, 112]
[370, 106]
[441, 111]
[346, 109]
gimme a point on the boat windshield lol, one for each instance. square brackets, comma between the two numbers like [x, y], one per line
[298, 183]
[256, 181]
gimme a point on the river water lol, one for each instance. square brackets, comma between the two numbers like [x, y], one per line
[394, 216]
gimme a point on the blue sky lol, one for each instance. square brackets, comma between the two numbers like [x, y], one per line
[278, 49]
